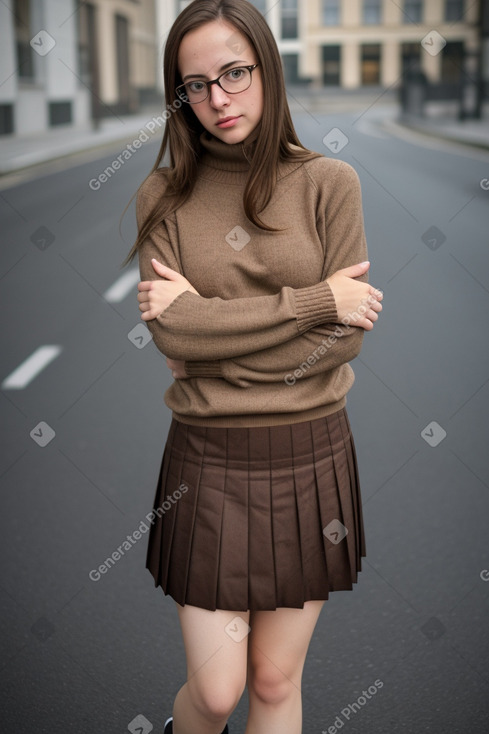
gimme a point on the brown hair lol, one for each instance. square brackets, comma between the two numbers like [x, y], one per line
[183, 129]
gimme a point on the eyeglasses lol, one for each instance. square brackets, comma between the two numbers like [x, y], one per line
[233, 81]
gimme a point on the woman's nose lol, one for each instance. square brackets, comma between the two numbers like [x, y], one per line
[218, 96]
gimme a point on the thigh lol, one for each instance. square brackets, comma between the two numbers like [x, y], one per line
[215, 644]
[279, 639]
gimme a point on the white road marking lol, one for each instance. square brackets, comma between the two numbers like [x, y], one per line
[122, 286]
[31, 367]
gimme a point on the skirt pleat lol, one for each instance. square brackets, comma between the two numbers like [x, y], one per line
[257, 518]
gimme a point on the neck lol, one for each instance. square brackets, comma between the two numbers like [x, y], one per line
[228, 156]
[231, 162]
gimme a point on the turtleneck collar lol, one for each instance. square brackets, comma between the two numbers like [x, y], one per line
[234, 157]
[230, 162]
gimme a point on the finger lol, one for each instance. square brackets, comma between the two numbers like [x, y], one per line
[151, 313]
[376, 293]
[369, 325]
[365, 324]
[164, 271]
[354, 271]
[145, 285]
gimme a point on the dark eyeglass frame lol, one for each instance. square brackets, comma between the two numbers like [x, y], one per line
[184, 97]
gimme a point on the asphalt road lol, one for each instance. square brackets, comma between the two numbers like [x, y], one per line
[82, 443]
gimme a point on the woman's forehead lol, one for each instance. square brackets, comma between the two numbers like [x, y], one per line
[210, 47]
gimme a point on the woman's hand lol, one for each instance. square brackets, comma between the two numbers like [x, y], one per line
[356, 302]
[177, 367]
[156, 295]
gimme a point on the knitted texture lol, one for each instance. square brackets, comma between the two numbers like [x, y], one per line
[261, 342]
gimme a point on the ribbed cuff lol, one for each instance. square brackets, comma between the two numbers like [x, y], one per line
[315, 305]
[211, 368]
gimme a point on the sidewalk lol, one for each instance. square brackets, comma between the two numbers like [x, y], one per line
[23, 153]
[440, 120]
[446, 126]
[17, 153]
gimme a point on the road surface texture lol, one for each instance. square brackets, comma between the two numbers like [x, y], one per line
[84, 426]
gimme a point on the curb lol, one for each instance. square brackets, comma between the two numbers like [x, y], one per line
[39, 160]
[439, 133]
[53, 163]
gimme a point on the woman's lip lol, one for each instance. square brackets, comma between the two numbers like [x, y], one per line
[227, 121]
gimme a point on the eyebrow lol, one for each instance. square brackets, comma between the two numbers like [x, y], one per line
[223, 68]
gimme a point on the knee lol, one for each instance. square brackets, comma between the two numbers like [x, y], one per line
[215, 699]
[270, 685]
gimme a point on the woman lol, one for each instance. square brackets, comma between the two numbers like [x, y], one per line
[252, 256]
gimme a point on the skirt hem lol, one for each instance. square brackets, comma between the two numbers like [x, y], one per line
[260, 608]
[257, 518]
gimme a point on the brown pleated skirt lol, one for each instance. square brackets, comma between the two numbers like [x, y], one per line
[257, 518]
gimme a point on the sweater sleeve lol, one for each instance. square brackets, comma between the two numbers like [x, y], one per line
[318, 350]
[196, 328]
[323, 347]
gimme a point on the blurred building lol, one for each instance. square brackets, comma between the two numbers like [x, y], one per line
[358, 43]
[66, 63]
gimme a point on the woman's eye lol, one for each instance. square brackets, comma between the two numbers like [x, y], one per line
[235, 74]
[195, 86]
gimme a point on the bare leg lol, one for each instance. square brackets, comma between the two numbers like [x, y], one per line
[216, 670]
[277, 649]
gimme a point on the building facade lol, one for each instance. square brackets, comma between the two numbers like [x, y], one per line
[358, 43]
[67, 63]
[63, 62]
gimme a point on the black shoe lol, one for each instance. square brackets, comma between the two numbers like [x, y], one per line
[168, 728]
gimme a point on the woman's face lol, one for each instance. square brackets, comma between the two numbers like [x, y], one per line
[206, 53]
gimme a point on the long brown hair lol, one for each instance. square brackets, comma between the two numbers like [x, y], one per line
[183, 129]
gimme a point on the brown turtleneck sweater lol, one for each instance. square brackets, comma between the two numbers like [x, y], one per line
[260, 342]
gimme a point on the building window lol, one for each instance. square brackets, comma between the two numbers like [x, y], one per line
[454, 9]
[290, 20]
[370, 63]
[122, 56]
[291, 68]
[372, 12]
[83, 37]
[261, 5]
[331, 65]
[22, 15]
[410, 57]
[331, 12]
[6, 119]
[60, 113]
[412, 11]
[452, 61]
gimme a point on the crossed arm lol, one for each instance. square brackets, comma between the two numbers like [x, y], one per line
[241, 335]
